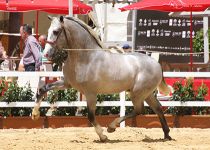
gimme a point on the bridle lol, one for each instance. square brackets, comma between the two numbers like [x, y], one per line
[53, 43]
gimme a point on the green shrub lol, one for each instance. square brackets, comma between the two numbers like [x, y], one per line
[11, 92]
[198, 41]
[187, 92]
[62, 95]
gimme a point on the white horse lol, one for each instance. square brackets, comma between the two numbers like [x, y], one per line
[92, 70]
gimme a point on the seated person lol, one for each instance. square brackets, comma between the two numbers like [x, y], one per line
[3, 56]
[3, 53]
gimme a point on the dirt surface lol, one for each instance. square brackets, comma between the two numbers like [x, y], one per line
[128, 138]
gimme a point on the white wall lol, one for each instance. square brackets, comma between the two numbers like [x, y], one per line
[112, 21]
[43, 22]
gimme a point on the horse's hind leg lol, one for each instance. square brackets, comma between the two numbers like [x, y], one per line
[112, 126]
[156, 107]
[91, 105]
[41, 92]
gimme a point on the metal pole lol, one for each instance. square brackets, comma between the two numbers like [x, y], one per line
[105, 22]
[206, 39]
[37, 24]
[122, 107]
[134, 20]
[71, 8]
[191, 42]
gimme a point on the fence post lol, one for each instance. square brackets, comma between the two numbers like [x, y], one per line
[78, 96]
[122, 107]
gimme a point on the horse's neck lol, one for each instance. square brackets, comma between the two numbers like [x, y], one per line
[85, 32]
[82, 56]
[80, 38]
[83, 44]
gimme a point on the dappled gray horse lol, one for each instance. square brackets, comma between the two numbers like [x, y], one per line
[92, 70]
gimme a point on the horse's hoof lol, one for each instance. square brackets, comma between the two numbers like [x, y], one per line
[110, 130]
[35, 114]
[103, 138]
[167, 138]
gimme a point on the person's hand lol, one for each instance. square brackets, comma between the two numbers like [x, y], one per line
[4, 54]
[37, 69]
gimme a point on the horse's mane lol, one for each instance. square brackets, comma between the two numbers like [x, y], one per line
[89, 30]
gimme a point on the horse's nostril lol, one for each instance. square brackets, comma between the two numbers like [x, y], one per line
[46, 55]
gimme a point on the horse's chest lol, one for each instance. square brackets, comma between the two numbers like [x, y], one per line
[75, 75]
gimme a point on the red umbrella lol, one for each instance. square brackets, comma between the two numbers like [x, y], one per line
[172, 6]
[169, 5]
[50, 6]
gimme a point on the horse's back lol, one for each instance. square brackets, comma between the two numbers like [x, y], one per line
[145, 63]
[106, 72]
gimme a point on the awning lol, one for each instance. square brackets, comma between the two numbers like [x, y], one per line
[50, 6]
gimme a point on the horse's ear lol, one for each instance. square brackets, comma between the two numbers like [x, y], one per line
[61, 19]
[50, 17]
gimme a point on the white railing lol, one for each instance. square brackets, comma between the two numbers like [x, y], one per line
[122, 103]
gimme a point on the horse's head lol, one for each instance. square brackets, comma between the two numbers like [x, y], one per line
[70, 33]
[56, 38]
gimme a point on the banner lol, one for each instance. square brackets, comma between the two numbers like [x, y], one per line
[156, 31]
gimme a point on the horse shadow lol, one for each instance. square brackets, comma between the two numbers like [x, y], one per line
[112, 141]
[150, 140]
[146, 139]
[76, 141]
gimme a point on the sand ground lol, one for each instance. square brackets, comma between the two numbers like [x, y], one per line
[128, 138]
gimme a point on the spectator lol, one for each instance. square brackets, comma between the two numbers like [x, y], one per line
[31, 54]
[3, 53]
[42, 42]
[3, 57]
[46, 64]
[127, 48]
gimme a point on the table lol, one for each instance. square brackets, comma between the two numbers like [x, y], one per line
[11, 62]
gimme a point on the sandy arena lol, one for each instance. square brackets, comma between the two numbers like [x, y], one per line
[85, 138]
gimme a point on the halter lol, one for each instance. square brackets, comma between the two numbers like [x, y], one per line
[53, 43]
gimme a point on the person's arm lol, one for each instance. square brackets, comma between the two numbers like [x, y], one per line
[36, 54]
[21, 66]
[4, 54]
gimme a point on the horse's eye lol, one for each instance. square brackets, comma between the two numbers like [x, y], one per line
[55, 32]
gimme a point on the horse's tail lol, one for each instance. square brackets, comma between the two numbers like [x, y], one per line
[163, 87]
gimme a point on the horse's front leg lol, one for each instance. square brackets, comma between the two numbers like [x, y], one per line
[41, 92]
[113, 125]
[91, 105]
